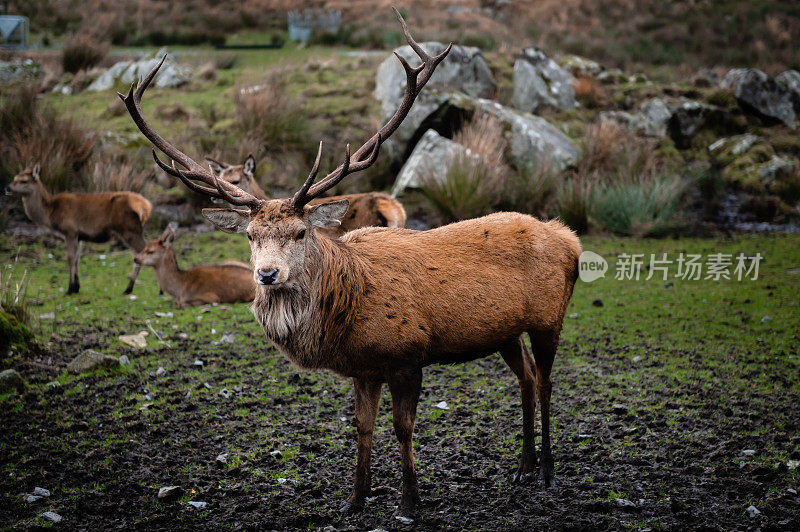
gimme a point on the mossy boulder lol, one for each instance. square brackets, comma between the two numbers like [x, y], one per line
[14, 334]
[750, 163]
[91, 360]
[10, 381]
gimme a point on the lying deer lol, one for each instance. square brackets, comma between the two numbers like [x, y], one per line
[229, 282]
[97, 217]
[367, 209]
[380, 304]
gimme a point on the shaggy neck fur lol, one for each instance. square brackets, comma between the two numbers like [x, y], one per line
[37, 205]
[311, 320]
[169, 275]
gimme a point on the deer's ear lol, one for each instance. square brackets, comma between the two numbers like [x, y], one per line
[169, 234]
[227, 220]
[216, 166]
[37, 171]
[249, 165]
[327, 214]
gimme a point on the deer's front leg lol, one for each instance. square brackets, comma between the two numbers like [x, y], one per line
[368, 396]
[405, 388]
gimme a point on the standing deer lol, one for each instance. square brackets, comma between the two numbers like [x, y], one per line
[380, 304]
[367, 209]
[77, 218]
[229, 282]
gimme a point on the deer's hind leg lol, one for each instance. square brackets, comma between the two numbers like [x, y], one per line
[518, 358]
[405, 388]
[545, 344]
[73, 256]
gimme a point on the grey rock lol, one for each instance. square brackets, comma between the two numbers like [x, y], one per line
[222, 459]
[752, 511]
[171, 74]
[612, 76]
[691, 117]
[197, 504]
[91, 360]
[625, 503]
[464, 69]
[791, 80]
[737, 145]
[41, 492]
[124, 360]
[653, 117]
[540, 82]
[10, 380]
[52, 516]
[17, 70]
[160, 372]
[580, 66]
[170, 493]
[775, 168]
[762, 94]
[429, 160]
[32, 498]
[705, 77]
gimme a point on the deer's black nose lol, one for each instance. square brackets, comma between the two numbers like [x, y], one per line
[267, 277]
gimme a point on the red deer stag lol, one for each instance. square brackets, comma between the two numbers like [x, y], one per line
[77, 218]
[367, 209]
[380, 304]
[229, 282]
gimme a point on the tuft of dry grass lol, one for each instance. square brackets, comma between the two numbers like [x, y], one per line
[483, 135]
[114, 173]
[589, 92]
[82, 51]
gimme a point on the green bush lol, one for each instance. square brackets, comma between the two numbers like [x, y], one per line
[572, 203]
[465, 192]
[646, 207]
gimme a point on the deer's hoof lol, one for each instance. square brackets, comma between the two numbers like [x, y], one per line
[523, 477]
[547, 480]
[350, 508]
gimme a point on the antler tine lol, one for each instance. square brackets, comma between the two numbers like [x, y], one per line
[365, 156]
[195, 171]
[299, 198]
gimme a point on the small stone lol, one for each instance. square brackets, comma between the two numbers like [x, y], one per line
[10, 379]
[222, 459]
[160, 372]
[793, 464]
[403, 519]
[766, 319]
[637, 358]
[442, 405]
[54, 517]
[208, 386]
[625, 503]
[227, 338]
[169, 493]
[47, 316]
[197, 504]
[184, 336]
[597, 303]
[225, 393]
[41, 492]
[198, 362]
[282, 481]
[124, 360]
[91, 360]
[135, 340]
[32, 498]
[748, 452]
[573, 315]
[277, 455]
[752, 511]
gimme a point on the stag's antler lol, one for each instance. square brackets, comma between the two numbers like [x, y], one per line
[365, 156]
[194, 172]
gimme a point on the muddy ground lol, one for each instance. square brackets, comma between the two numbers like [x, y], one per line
[647, 434]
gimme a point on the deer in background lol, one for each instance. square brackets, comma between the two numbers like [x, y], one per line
[366, 209]
[380, 304]
[229, 282]
[97, 217]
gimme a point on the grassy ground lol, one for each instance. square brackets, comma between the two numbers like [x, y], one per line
[657, 393]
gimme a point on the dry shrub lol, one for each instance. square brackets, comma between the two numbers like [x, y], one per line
[31, 133]
[114, 173]
[609, 149]
[589, 91]
[269, 114]
[82, 51]
[483, 135]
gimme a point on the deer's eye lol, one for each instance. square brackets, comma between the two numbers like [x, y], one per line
[301, 234]
[250, 236]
